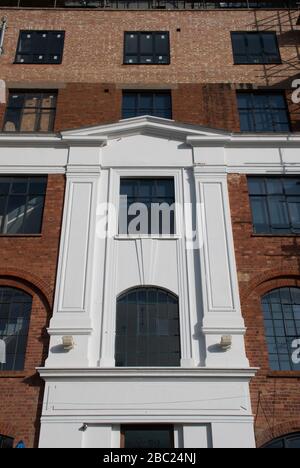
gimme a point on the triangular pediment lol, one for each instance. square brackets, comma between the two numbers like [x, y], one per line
[146, 125]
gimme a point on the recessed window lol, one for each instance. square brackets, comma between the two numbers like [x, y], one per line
[158, 104]
[275, 204]
[147, 437]
[281, 309]
[147, 206]
[255, 47]
[291, 441]
[6, 442]
[263, 112]
[22, 202]
[147, 329]
[30, 112]
[15, 311]
[147, 48]
[40, 47]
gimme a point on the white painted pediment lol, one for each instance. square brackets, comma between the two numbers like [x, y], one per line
[146, 125]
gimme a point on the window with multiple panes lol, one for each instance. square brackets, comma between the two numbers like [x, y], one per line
[255, 47]
[22, 202]
[146, 48]
[6, 442]
[138, 103]
[281, 309]
[30, 111]
[275, 204]
[147, 206]
[45, 47]
[149, 436]
[263, 112]
[147, 329]
[290, 441]
[15, 310]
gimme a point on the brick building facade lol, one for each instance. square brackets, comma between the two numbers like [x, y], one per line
[203, 81]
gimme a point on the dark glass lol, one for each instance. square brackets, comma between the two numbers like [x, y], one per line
[147, 329]
[137, 103]
[30, 112]
[291, 441]
[281, 309]
[154, 195]
[263, 112]
[15, 311]
[255, 47]
[44, 47]
[148, 437]
[22, 202]
[6, 442]
[275, 204]
[146, 48]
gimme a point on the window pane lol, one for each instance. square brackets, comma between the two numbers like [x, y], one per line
[257, 47]
[263, 112]
[281, 328]
[40, 47]
[148, 437]
[147, 103]
[30, 112]
[147, 48]
[15, 308]
[145, 334]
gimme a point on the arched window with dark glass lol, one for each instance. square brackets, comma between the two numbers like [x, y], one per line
[15, 310]
[147, 329]
[281, 308]
[291, 441]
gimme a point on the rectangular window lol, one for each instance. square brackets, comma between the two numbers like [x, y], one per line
[255, 47]
[146, 48]
[6, 442]
[40, 47]
[22, 204]
[140, 103]
[263, 112]
[30, 111]
[275, 203]
[147, 437]
[147, 206]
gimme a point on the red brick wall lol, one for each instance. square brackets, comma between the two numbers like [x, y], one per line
[264, 263]
[29, 263]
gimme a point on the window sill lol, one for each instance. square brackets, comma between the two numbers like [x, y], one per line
[284, 375]
[147, 236]
[20, 236]
[12, 374]
[276, 236]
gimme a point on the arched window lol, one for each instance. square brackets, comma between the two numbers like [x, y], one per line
[147, 331]
[281, 309]
[15, 310]
[291, 441]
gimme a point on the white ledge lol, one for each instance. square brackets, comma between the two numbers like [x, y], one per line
[137, 372]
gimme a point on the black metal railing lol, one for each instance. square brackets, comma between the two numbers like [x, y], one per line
[151, 4]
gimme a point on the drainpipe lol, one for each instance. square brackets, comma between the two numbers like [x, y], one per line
[2, 34]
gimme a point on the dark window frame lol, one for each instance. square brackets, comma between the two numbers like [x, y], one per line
[143, 333]
[139, 94]
[154, 54]
[39, 110]
[5, 439]
[284, 440]
[151, 427]
[276, 327]
[27, 300]
[152, 199]
[28, 194]
[266, 92]
[262, 62]
[265, 199]
[46, 62]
